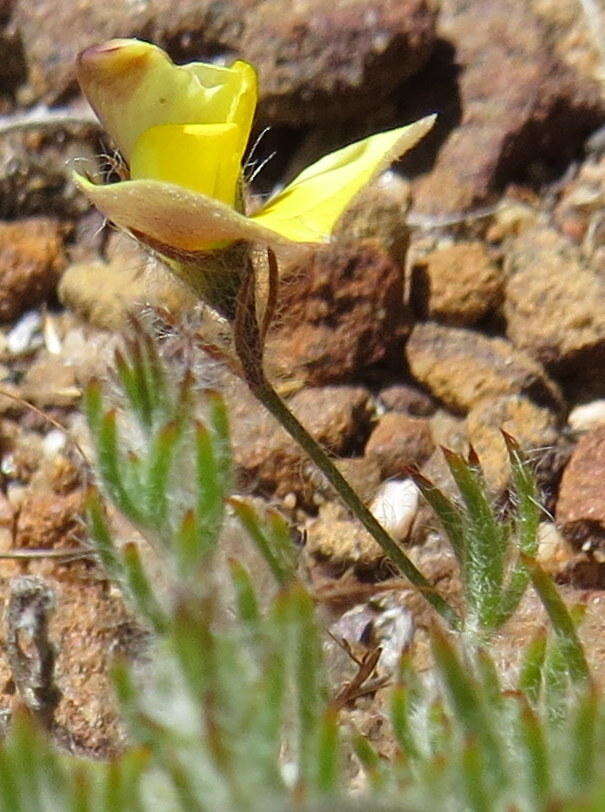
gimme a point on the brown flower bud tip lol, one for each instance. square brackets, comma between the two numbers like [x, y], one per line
[112, 58]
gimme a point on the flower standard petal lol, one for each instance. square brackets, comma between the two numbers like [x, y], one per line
[133, 86]
[239, 96]
[202, 157]
[308, 208]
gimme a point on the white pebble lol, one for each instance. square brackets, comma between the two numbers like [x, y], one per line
[587, 416]
[395, 506]
[22, 337]
[53, 442]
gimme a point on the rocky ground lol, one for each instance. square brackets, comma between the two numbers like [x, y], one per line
[465, 297]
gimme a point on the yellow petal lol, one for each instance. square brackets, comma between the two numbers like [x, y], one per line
[201, 157]
[166, 214]
[241, 83]
[133, 86]
[307, 210]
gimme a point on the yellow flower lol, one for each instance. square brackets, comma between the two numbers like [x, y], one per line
[183, 130]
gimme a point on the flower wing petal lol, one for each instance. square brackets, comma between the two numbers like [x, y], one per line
[174, 216]
[309, 207]
[133, 86]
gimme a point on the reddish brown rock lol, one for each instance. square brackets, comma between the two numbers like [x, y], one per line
[31, 257]
[53, 33]
[49, 520]
[403, 397]
[572, 35]
[555, 305]
[341, 311]
[378, 213]
[269, 460]
[533, 427]
[449, 431]
[362, 474]
[399, 441]
[580, 511]
[456, 285]
[320, 63]
[505, 99]
[315, 62]
[337, 416]
[461, 367]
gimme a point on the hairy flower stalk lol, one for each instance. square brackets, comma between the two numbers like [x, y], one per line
[182, 131]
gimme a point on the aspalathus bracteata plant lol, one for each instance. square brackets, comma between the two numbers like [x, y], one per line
[182, 132]
[234, 712]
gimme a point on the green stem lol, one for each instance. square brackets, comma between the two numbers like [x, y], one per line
[263, 390]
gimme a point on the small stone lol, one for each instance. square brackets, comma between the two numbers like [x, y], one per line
[436, 470]
[22, 451]
[35, 176]
[339, 539]
[49, 520]
[449, 431]
[554, 306]
[24, 336]
[399, 441]
[461, 367]
[580, 510]
[403, 397]
[131, 280]
[341, 311]
[378, 214]
[587, 416]
[270, 460]
[574, 38]
[7, 521]
[510, 219]
[31, 257]
[554, 553]
[579, 212]
[362, 474]
[336, 416]
[50, 382]
[395, 506]
[457, 285]
[381, 622]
